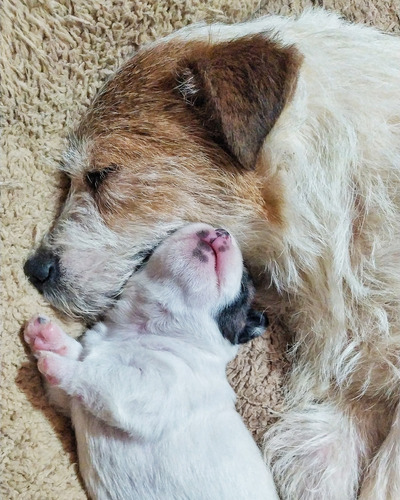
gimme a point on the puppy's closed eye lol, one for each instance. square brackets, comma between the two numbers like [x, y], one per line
[95, 178]
[256, 323]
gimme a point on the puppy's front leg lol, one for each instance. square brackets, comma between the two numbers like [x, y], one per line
[111, 393]
[42, 335]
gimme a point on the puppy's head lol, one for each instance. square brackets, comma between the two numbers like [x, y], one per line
[172, 138]
[198, 272]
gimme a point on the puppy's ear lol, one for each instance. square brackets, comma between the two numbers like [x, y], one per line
[239, 88]
[238, 322]
[256, 324]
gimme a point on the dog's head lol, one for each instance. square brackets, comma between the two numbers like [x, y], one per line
[172, 138]
[194, 276]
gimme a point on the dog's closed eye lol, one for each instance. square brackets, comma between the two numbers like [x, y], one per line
[95, 178]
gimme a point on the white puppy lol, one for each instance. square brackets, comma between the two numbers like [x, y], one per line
[153, 412]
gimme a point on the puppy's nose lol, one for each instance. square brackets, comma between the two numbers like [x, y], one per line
[42, 269]
[222, 232]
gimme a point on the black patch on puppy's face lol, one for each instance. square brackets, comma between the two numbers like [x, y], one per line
[238, 322]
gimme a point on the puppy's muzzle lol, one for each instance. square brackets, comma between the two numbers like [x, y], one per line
[42, 269]
[222, 232]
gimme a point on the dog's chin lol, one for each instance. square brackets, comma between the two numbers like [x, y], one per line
[92, 306]
[89, 306]
[86, 308]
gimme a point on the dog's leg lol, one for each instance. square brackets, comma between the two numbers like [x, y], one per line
[43, 335]
[382, 481]
[314, 453]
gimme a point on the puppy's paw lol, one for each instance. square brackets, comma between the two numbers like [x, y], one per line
[43, 335]
[56, 369]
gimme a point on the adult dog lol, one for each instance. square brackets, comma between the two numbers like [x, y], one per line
[287, 132]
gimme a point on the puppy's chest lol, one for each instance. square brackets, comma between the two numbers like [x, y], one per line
[174, 372]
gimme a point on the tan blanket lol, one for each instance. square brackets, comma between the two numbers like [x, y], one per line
[54, 55]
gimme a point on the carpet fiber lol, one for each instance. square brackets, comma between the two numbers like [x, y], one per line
[54, 56]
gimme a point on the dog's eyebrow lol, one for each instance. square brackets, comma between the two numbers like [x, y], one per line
[73, 159]
[62, 166]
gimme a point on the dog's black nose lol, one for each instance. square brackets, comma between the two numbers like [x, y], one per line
[42, 269]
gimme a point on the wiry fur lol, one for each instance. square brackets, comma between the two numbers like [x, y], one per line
[318, 218]
[147, 391]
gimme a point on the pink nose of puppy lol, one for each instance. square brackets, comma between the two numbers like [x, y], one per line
[215, 240]
[219, 239]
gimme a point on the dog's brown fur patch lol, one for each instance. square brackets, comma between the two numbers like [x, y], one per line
[241, 87]
[169, 155]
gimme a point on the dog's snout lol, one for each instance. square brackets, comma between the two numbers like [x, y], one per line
[42, 269]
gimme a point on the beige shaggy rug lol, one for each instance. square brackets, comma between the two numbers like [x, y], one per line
[54, 56]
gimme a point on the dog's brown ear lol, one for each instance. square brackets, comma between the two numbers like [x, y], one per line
[240, 88]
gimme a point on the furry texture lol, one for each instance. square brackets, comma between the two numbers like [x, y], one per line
[48, 77]
[147, 390]
[314, 206]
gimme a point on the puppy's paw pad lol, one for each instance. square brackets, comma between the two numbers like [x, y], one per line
[44, 335]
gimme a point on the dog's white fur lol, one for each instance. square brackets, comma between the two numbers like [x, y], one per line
[147, 392]
[336, 152]
[335, 264]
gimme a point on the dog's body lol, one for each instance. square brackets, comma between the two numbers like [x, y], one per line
[287, 132]
[147, 392]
